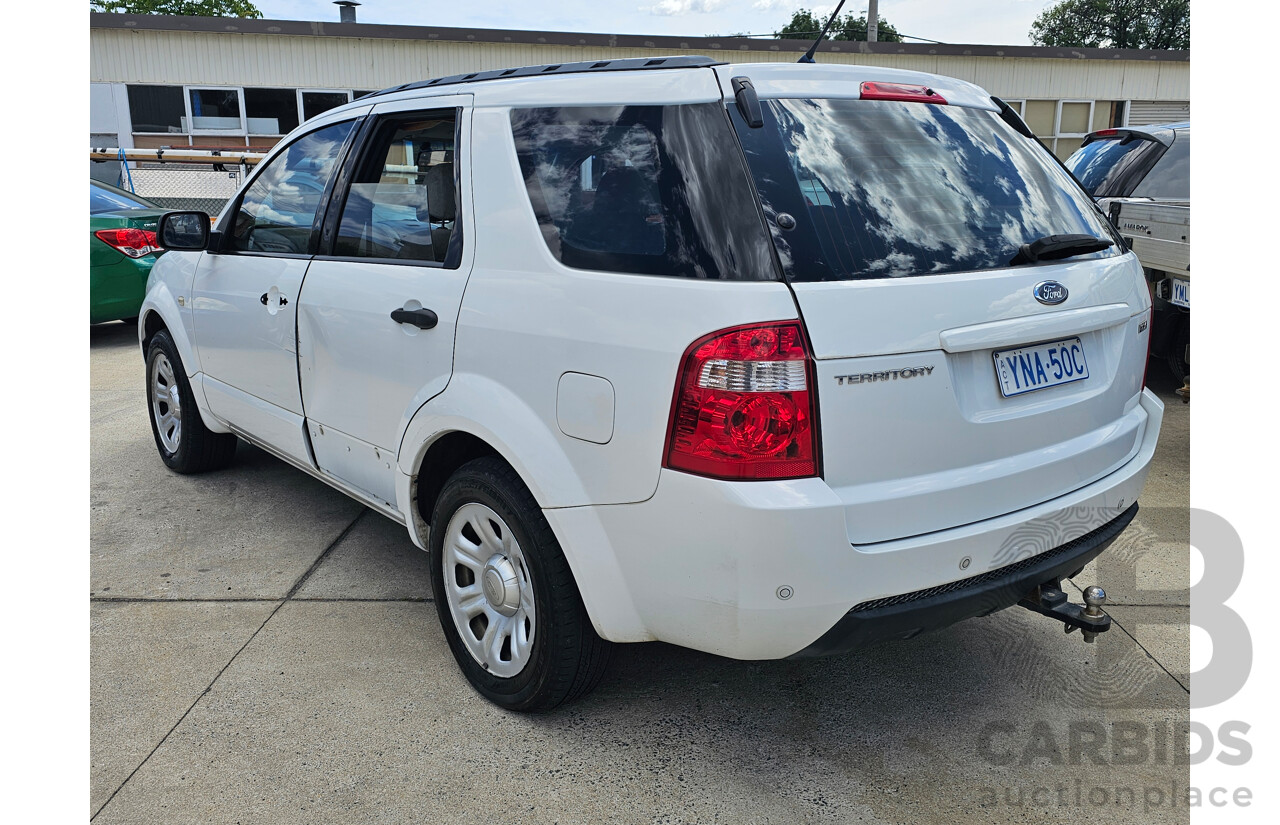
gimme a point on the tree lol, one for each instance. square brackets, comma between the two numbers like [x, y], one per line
[186, 8]
[804, 26]
[1115, 24]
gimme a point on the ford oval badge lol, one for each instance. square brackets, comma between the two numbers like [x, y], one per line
[1050, 292]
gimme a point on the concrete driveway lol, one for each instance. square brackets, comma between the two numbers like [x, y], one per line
[265, 649]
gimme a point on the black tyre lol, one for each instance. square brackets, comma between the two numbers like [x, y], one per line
[507, 600]
[185, 444]
[1174, 343]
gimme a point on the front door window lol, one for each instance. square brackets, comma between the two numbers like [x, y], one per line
[280, 206]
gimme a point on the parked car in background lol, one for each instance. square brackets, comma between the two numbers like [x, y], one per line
[1141, 177]
[122, 249]
[762, 360]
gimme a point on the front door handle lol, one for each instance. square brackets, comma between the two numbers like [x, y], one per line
[283, 300]
[420, 318]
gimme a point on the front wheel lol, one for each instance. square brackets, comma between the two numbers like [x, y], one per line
[185, 444]
[507, 600]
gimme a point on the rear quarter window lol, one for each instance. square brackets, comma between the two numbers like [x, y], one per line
[651, 190]
[1171, 176]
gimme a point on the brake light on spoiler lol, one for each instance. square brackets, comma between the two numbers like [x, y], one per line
[876, 90]
[744, 405]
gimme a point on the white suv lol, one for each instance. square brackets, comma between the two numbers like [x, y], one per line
[763, 360]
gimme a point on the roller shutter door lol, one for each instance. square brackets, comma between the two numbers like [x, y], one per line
[1145, 112]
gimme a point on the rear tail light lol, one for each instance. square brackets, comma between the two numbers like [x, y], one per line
[875, 90]
[744, 406]
[133, 242]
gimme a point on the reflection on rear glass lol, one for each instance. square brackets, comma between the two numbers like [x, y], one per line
[889, 189]
[1108, 168]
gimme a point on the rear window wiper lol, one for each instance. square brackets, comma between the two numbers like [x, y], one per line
[1054, 247]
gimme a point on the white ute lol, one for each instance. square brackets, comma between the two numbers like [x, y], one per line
[763, 360]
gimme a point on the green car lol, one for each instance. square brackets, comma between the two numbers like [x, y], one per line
[122, 249]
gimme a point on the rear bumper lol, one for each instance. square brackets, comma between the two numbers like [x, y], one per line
[116, 290]
[765, 570]
[907, 615]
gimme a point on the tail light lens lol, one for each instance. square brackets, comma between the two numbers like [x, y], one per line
[744, 406]
[133, 242]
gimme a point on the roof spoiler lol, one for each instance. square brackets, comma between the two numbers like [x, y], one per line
[1125, 135]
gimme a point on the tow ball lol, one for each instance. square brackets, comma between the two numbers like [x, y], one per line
[1049, 600]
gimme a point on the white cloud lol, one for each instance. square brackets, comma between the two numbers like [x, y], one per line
[674, 8]
[819, 10]
[771, 5]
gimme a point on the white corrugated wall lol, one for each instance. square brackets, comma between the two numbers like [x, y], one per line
[231, 59]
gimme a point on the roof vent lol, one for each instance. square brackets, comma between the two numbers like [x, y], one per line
[346, 11]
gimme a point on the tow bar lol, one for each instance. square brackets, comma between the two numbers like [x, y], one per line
[1049, 600]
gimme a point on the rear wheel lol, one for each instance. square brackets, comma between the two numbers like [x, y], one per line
[185, 444]
[506, 598]
[1177, 344]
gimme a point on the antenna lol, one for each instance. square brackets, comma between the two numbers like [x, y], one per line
[808, 56]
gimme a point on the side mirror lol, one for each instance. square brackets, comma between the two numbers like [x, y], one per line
[184, 230]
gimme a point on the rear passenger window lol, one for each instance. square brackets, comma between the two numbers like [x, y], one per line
[612, 203]
[402, 204]
[279, 207]
[652, 190]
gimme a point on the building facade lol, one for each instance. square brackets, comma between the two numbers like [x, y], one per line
[183, 82]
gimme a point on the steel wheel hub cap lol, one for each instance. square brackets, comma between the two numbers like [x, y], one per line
[488, 590]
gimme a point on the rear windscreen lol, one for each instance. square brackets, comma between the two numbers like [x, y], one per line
[876, 189]
[102, 199]
[1110, 167]
[652, 190]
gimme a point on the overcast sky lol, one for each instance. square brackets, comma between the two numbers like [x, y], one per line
[998, 22]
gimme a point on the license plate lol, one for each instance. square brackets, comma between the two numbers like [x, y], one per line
[1180, 292]
[1043, 365]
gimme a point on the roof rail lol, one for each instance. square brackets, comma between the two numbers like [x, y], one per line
[626, 64]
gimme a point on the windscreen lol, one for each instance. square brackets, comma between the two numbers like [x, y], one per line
[860, 189]
[1109, 168]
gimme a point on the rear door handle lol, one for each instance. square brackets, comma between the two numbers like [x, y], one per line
[283, 300]
[420, 318]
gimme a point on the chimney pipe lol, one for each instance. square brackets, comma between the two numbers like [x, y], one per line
[346, 11]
